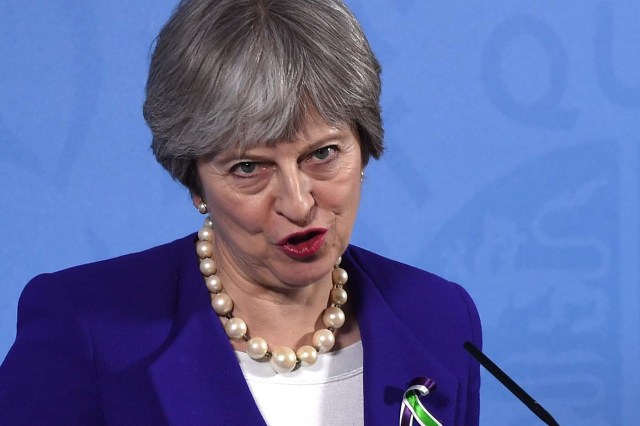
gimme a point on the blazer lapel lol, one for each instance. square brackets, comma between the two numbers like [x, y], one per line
[393, 356]
[197, 377]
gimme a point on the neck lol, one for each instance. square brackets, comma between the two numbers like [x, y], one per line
[284, 315]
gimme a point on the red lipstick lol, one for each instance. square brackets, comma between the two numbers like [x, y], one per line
[301, 245]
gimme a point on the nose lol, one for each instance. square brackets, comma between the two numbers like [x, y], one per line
[294, 199]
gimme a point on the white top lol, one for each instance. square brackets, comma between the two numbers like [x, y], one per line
[326, 393]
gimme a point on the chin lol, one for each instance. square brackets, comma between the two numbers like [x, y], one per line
[307, 271]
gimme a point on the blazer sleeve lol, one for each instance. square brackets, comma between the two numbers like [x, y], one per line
[48, 375]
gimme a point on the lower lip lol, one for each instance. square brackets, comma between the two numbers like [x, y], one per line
[304, 249]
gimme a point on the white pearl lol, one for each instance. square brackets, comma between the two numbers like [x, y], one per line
[205, 234]
[208, 222]
[213, 283]
[235, 328]
[333, 317]
[338, 296]
[323, 340]
[204, 249]
[257, 348]
[339, 276]
[208, 267]
[307, 355]
[338, 261]
[283, 360]
[221, 303]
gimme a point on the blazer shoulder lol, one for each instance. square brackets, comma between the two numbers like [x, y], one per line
[391, 275]
[125, 279]
[159, 258]
[416, 294]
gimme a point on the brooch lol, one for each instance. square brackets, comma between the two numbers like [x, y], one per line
[412, 412]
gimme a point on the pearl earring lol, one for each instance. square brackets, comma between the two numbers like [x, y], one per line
[202, 208]
[361, 175]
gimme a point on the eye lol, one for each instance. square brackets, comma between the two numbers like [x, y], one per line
[324, 153]
[245, 169]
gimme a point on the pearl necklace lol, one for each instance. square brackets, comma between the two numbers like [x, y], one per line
[282, 359]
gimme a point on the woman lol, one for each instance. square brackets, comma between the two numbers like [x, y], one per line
[268, 112]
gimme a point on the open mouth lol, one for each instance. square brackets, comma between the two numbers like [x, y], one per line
[301, 238]
[303, 244]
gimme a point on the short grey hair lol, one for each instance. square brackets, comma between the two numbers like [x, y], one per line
[242, 73]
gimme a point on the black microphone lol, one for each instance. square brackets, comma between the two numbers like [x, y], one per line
[508, 382]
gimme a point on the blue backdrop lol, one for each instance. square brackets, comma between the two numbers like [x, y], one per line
[512, 166]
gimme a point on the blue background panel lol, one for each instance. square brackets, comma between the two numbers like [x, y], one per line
[512, 167]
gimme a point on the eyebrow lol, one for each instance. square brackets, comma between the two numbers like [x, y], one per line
[335, 134]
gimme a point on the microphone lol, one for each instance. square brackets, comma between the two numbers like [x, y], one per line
[508, 382]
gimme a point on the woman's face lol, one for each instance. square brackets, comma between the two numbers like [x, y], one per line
[284, 214]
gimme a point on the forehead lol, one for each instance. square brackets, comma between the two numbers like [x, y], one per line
[314, 131]
[317, 130]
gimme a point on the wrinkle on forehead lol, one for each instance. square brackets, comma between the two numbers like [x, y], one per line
[313, 126]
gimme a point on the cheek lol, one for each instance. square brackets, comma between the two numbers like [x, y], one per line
[232, 211]
[342, 198]
[344, 206]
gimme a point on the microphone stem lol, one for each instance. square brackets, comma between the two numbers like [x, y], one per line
[508, 382]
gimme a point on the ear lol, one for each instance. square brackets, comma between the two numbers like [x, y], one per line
[196, 200]
[199, 204]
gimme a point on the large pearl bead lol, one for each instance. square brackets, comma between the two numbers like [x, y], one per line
[214, 285]
[208, 222]
[235, 328]
[333, 317]
[283, 360]
[221, 303]
[323, 340]
[205, 233]
[307, 355]
[257, 348]
[339, 276]
[204, 249]
[338, 296]
[208, 267]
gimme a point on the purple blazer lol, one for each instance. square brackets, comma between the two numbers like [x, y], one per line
[134, 341]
